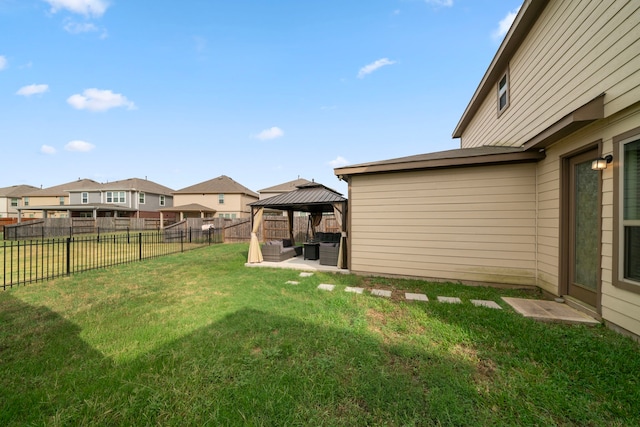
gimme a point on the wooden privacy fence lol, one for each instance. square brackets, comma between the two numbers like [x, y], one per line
[276, 227]
[227, 230]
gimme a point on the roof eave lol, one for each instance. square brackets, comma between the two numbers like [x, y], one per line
[483, 160]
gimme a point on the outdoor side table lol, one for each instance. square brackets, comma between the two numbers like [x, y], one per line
[311, 251]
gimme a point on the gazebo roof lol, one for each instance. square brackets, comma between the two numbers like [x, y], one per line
[312, 197]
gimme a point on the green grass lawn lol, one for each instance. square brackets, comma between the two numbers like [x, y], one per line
[198, 339]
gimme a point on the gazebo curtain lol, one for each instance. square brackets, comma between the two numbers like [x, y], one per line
[316, 219]
[290, 216]
[339, 214]
[255, 254]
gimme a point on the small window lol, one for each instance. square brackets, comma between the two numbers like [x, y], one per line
[26, 201]
[85, 197]
[162, 201]
[503, 93]
[141, 198]
[221, 199]
[14, 203]
[61, 200]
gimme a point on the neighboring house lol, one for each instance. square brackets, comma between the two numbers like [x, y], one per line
[520, 202]
[55, 199]
[11, 198]
[144, 198]
[286, 187]
[85, 198]
[221, 196]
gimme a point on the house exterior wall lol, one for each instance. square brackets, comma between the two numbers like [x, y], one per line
[575, 51]
[6, 210]
[462, 224]
[36, 201]
[618, 306]
[234, 204]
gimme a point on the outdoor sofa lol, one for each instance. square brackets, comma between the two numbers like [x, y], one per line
[279, 250]
[329, 246]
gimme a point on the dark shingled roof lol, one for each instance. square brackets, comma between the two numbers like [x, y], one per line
[311, 197]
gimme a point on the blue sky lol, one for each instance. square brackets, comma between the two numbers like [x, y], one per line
[262, 91]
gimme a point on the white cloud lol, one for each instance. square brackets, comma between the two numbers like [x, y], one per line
[32, 90]
[446, 3]
[77, 28]
[339, 162]
[504, 25]
[99, 100]
[370, 68]
[3, 62]
[78, 145]
[271, 133]
[95, 8]
[47, 149]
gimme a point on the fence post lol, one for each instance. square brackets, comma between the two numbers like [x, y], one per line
[68, 256]
[181, 240]
[140, 245]
[128, 236]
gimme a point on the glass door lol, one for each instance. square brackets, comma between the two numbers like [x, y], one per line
[584, 229]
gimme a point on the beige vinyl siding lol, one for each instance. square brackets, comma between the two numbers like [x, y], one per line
[576, 51]
[617, 306]
[233, 203]
[469, 224]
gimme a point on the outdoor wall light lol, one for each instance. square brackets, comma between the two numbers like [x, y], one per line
[601, 163]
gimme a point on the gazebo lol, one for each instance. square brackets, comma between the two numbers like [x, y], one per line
[313, 198]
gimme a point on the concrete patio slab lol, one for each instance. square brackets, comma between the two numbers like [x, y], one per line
[299, 263]
[549, 311]
[381, 293]
[326, 287]
[292, 282]
[485, 303]
[415, 297]
[303, 274]
[450, 300]
[354, 290]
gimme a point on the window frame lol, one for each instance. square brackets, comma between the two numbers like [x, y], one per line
[221, 199]
[141, 198]
[114, 197]
[619, 222]
[14, 202]
[506, 91]
[162, 200]
[84, 198]
[61, 201]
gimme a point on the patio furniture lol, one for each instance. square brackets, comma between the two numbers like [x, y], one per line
[280, 250]
[329, 253]
[311, 251]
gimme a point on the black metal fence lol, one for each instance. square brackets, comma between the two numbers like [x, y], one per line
[28, 261]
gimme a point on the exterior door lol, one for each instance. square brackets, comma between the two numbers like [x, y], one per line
[583, 234]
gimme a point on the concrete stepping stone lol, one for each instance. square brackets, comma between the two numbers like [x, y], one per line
[306, 274]
[415, 297]
[381, 293]
[354, 290]
[326, 287]
[292, 282]
[450, 300]
[485, 303]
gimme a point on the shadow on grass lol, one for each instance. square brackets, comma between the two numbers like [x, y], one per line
[250, 368]
[552, 373]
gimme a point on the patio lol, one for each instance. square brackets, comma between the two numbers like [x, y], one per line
[299, 263]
